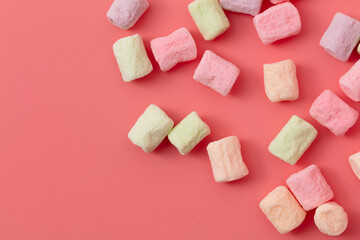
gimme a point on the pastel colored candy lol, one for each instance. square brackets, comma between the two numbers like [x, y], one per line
[350, 82]
[280, 81]
[216, 73]
[331, 219]
[310, 187]
[177, 47]
[278, 1]
[226, 160]
[209, 17]
[293, 140]
[282, 210]
[341, 37]
[188, 133]
[354, 161]
[332, 112]
[132, 58]
[277, 22]
[358, 49]
[125, 13]
[251, 7]
[151, 128]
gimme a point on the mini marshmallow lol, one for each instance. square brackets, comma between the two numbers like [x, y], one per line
[177, 47]
[310, 187]
[216, 73]
[132, 58]
[125, 13]
[331, 219]
[151, 128]
[209, 17]
[188, 133]
[332, 112]
[350, 82]
[226, 160]
[293, 140]
[251, 7]
[282, 210]
[277, 22]
[354, 161]
[280, 81]
[278, 1]
[341, 37]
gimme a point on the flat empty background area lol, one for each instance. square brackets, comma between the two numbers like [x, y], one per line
[68, 170]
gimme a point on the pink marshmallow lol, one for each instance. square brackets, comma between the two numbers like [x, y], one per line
[216, 73]
[350, 82]
[310, 187]
[277, 22]
[177, 47]
[278, 1]
[332, 112]
[251, 7]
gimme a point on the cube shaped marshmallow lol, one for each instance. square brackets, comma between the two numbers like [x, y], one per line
[177, 47]
[282, 210]
[251, 7]
[209, 18]
[226, 160]
[341, 37]
[125, 13]
[280, 81]
[354, 161]
[331, 219]
[277, 22]
[151, 128]
[132, 58]
[350, 82]
[216, 73]
[278, 1]
[310, 187]
[293, 140]
[188, 133]
[332, 112]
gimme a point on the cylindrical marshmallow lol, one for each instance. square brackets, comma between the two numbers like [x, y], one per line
[331, 219]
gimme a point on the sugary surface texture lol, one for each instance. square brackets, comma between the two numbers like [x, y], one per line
[310, 187]
[341, 37]
[251, 7]
[177, 47]
[277, 22]
[125, 13]
[282, 210]
[293, 140]
[209, 17]
[132, 58]
[280, 81]
[350, 82]
[278, 1]
[331, 219]
[216, 73]
[332, 112]
[188, 133]
[226, 160]
[354, 161]
[151, 128]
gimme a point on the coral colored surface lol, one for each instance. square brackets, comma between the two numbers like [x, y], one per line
[68, 170]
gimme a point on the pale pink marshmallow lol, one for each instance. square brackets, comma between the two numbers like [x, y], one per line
[277, 22]
[278, 1]
[354, 161]
[341, 37]
[331, 219]
[350, 82]
[332, 112]
[226, 160]
[125, 13]
[216, 73]
[310, 187]
[177, 47]
[251, 7]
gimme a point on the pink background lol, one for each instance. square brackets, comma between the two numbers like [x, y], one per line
[68, 170]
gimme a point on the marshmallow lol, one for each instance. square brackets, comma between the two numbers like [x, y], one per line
[177, 47]
[226, 160]
[358, 49]
[332, 112]
[310, 187]
[216, 73]
[132, 58]
[354, 161]
[277, 22]
[209, 18]
[331, 219]
[151, 128]
[341, 37]
[282, 210]
[278, 1]
[280, 81]
[251, 7]
[350, 82]
[293, 140]
[188, 133]
[125, 13]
